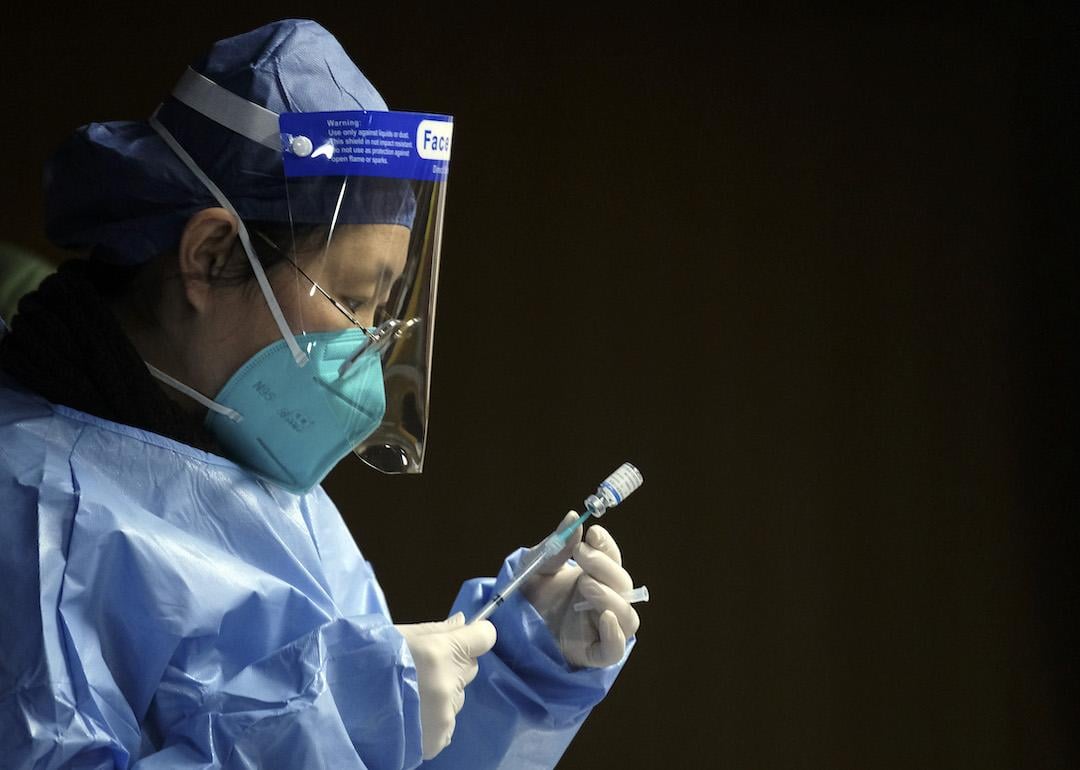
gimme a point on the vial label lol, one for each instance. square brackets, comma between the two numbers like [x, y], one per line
[623, 482]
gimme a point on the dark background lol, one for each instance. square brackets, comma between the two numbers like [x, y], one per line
[814, 273]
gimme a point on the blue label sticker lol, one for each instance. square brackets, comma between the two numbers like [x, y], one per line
[399, 145]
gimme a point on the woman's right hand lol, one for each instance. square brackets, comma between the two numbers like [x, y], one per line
[445, 654]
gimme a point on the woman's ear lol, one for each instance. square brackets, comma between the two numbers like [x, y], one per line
[205, 247]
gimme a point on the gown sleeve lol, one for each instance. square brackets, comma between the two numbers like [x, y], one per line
[526, 703]
[137, 632]
[192, 658]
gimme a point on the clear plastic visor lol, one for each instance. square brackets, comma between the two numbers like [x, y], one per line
[369, 265]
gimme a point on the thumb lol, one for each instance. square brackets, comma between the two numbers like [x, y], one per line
[555, 563]
[475, 639]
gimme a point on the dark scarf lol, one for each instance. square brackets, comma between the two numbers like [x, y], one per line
[67, 345]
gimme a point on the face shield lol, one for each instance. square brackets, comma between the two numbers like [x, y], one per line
[353, 293]
[366, 192]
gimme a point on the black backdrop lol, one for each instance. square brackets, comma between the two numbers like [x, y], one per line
[813, 273]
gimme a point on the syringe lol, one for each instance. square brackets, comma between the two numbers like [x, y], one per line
[612, 491]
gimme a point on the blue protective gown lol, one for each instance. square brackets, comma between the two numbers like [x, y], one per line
[164, 609]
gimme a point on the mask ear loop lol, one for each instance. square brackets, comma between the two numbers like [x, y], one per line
[213, 406]
[299, 355]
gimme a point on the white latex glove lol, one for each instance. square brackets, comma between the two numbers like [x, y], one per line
[592, 638]
[445, 655]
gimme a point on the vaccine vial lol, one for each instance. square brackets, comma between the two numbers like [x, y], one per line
[614, 489]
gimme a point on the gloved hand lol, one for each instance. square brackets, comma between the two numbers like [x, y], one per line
[590, 638]
[445, 655]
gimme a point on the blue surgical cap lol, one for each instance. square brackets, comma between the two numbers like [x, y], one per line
[116, 188]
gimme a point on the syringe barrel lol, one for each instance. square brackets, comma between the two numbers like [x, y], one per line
[550, 546]
[614, 489]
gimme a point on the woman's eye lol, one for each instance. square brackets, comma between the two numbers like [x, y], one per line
[354, 304]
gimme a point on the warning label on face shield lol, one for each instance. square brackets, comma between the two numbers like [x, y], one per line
[400, 145]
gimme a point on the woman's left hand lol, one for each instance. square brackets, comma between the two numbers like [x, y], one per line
[593, 637]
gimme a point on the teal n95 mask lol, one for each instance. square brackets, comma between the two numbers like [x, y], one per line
[298, 422]
[358, 229]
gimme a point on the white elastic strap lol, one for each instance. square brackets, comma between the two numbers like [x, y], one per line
[260, 275]
[210, 404]
[228, 109]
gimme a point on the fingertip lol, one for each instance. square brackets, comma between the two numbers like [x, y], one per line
[613, 620]
[457, 619]
[611, 645]
[605, 543]
[615, 632]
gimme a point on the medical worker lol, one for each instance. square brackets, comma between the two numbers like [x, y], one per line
[257, 304]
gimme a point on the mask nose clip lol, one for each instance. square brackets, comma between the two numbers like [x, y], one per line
[379, 340]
